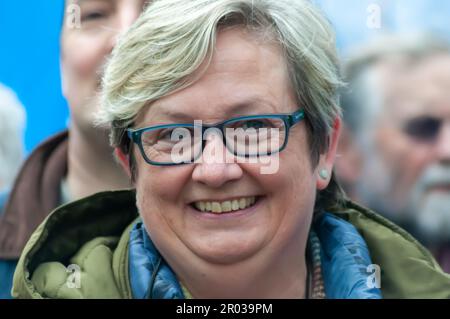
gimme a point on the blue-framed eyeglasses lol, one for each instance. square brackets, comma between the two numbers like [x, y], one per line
[246, 136]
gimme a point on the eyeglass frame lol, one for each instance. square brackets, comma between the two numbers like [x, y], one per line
[290, 119]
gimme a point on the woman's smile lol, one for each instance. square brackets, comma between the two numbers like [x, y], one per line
[231, 208]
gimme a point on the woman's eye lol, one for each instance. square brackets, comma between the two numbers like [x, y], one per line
[255, 124]
[172, 135]
[165, 135]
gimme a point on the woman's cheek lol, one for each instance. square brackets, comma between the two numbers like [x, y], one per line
[163, 184]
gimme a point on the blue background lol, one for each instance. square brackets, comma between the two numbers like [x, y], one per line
[29, 63]
[29, 53]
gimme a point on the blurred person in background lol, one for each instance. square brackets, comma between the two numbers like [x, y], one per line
[12, 125]
[77, 162]
[395, 149]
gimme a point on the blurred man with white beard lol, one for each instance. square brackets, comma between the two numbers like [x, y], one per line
[395, 153]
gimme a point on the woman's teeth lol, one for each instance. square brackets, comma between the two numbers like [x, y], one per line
[226, 206]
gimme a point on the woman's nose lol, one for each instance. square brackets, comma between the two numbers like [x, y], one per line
[217, 166]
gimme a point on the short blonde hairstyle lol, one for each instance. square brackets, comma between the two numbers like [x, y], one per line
[162, 51]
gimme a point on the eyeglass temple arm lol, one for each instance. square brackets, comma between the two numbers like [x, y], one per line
[132, 135]
[296, 117]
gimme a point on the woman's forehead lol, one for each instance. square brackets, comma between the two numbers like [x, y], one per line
[179, 112]
[242, 78]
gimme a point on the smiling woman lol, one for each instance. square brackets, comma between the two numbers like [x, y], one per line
[205, 227]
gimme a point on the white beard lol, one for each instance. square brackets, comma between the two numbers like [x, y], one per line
[432, 218]
[430, 212]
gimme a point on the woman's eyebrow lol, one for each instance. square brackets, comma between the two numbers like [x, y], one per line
[178, 116]
[250, 106]
[254, 105]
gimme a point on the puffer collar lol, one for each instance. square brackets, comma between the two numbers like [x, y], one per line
[344, 255]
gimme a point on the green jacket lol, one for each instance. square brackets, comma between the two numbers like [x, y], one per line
[93, 233]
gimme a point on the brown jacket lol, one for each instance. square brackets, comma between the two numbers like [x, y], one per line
[35, 193]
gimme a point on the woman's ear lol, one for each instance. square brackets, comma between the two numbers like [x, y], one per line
[124, 160]
[326, 161]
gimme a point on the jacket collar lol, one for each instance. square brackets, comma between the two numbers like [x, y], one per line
[408, 270]
[150, 276]
[344, 260]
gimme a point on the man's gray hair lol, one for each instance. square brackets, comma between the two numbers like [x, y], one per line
[360, 99]
[12, 122]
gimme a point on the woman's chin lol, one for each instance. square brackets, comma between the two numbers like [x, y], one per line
[224, 250]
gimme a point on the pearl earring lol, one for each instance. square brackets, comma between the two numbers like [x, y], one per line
[323, 173]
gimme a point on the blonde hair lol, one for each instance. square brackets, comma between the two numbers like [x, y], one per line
[162, 51]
